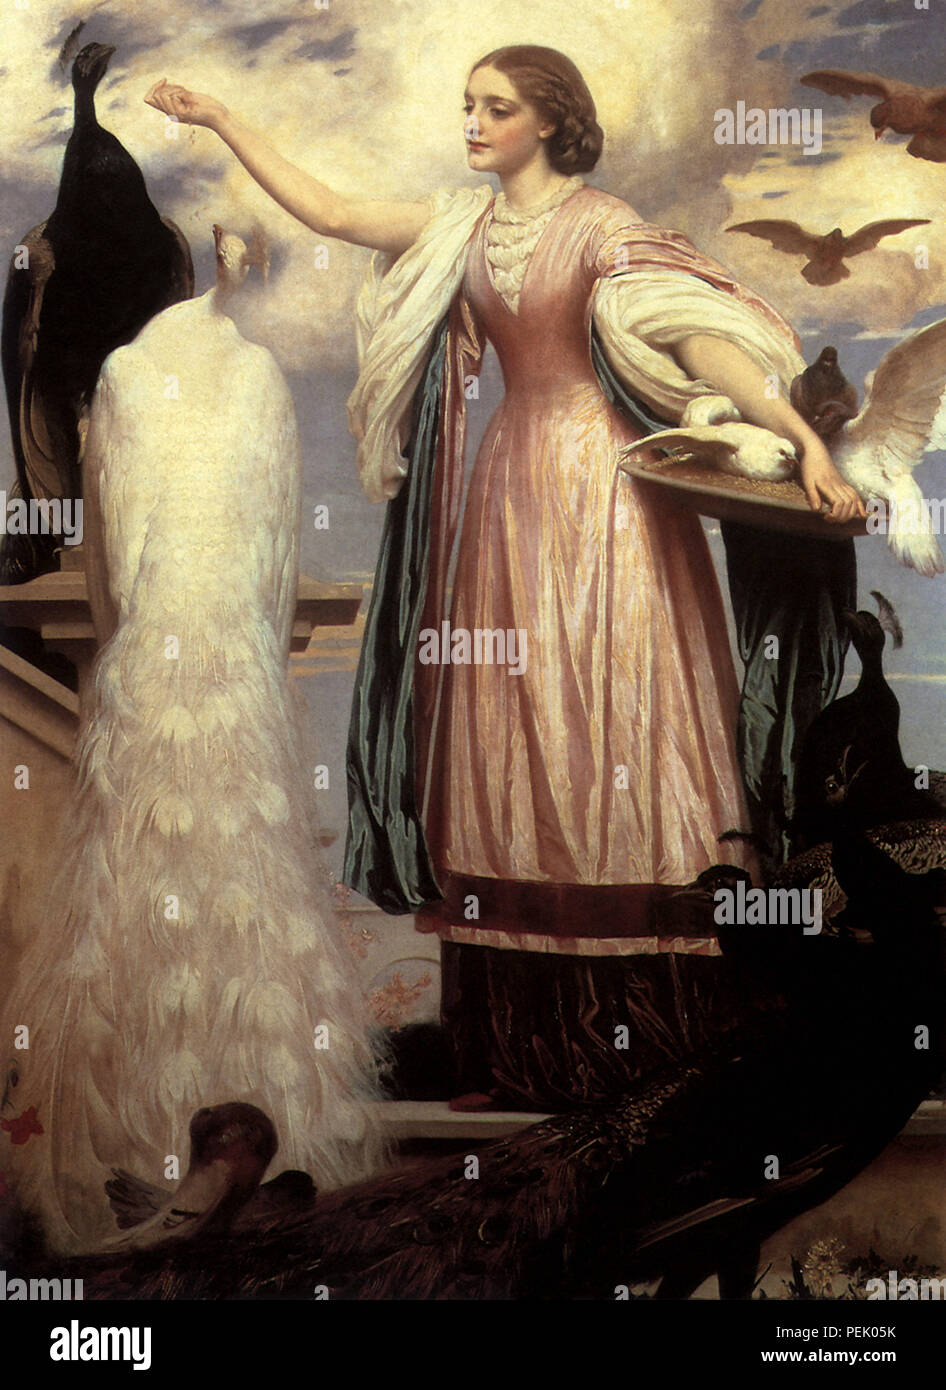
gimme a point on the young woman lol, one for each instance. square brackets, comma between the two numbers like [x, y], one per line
[534, 812]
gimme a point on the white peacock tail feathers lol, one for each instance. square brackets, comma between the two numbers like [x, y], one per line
[234, 909]
[299, 936]
[183, 1079]
[89, 959]
[273, 1009]
[173, 815]
[328, 977]
[169, 917]
[180, 990]
[293, 1074]
[273, 804]
[217, 712]
[177, 725]
[350, 1122]
[231, 821]
[189, 945]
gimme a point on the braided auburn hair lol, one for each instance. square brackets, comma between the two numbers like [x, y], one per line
[553, 85]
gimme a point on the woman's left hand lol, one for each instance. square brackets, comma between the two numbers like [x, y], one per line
[823, 483]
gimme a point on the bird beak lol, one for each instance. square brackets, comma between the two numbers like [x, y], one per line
[878, 133]
[218, 235]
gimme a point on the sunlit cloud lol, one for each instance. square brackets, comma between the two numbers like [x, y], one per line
[367, 96]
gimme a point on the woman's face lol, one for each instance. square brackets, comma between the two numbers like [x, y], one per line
[503, 132]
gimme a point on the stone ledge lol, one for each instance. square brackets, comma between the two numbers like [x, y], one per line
[57, 607]
[433, 1119]
[37, 704]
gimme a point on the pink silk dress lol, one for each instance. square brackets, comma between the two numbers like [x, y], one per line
[611, 759]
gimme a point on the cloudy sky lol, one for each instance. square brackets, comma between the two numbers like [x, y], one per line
[367, 95]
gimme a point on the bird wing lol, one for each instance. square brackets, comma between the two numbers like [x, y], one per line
[22, 307]
[132, 1199]
[870, 235]
[119, 494]
[843, 83]
[929, 144]
[274, 456]
[902, 415]
[784, 236]
[692, 444]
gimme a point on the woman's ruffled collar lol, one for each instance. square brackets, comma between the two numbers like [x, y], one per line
[504, 212]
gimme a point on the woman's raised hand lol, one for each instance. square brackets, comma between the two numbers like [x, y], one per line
[193, 108]
[390, 226]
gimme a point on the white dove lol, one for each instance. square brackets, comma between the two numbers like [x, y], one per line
[711, 433]
[903, 416]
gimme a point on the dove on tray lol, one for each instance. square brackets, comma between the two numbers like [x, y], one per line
[712, 434]
[902, 418]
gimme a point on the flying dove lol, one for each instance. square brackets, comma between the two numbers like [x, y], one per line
[826, 254]
[904, 108]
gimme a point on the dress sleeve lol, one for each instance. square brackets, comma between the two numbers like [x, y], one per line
[654, 289]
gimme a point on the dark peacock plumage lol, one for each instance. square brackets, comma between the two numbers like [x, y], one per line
[672, 1181]
[102, 264]
[851, 772]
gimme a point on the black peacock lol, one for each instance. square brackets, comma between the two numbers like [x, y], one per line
[81, 283]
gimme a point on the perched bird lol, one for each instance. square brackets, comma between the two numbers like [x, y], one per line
[823, 396]
[85, 281]
[232, 1145]
[918, 847]
[673, 1181]
[904, 108]
[712, 434]
[826, 253]
[189, 857]
[851, 772]
[903, 416]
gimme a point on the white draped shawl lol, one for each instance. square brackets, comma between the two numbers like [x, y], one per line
[640, 315]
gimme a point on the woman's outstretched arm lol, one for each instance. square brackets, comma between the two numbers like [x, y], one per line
[726, 366]
[385, 225]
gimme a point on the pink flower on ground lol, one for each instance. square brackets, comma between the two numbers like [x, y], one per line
[23, 1126]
